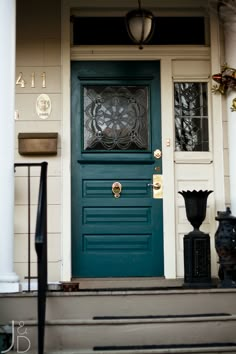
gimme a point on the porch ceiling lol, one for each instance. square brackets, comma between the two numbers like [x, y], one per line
[160, 7]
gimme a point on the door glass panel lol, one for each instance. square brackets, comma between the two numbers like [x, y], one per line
[115, 118]
[191, 116]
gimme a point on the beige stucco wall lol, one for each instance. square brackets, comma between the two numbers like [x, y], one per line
[38, 50]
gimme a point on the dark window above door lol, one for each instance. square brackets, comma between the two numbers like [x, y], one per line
[112, 31]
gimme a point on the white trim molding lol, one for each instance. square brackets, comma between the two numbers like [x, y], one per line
[228, 16]
[8, 278]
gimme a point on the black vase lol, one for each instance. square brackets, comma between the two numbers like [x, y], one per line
[195, 204]
[197, 259]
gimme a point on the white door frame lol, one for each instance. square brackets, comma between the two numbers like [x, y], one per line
[165, 54]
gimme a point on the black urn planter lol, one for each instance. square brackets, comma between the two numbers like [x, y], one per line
[225, 244]
[197, 260]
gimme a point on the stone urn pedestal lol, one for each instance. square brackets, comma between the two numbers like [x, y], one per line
[197, 258]
[225, 244]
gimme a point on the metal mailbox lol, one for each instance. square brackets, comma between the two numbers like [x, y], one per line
[37, 143]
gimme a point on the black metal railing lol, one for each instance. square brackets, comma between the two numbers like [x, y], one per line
[40, 246]
[41, 250]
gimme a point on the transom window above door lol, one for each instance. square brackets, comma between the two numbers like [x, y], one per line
[188, 30]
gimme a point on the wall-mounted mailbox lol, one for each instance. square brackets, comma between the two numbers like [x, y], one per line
[38, 143]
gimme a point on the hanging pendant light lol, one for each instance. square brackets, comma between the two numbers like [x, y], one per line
[140, 25]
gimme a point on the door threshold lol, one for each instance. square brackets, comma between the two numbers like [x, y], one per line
[127, 283]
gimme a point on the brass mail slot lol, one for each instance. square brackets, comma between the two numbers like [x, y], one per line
[38, 143]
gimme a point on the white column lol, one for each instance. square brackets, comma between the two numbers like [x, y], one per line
[228, 16]
[8, 279]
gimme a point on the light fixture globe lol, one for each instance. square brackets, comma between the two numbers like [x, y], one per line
[140, 25]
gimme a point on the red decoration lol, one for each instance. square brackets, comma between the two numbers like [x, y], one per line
[226, 80]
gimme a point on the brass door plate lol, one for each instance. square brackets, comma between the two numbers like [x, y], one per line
[157, 186]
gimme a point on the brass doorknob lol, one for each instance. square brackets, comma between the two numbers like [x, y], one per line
[155, 186]
[157, 153]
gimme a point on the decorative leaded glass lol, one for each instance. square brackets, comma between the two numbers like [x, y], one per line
[115, 117]
[191, 116]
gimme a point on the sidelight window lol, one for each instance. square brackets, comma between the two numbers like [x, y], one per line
[191, 116]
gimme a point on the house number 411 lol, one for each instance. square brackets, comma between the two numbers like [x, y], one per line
[22, 82]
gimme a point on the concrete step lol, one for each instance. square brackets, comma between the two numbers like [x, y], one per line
[87, 304]
[134, 319]
[202, 349]
[129, 283]
[87, 334]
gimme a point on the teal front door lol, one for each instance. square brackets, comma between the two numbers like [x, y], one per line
[117, 225]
